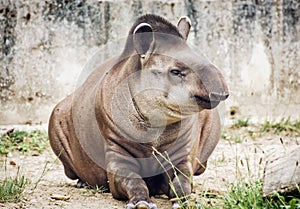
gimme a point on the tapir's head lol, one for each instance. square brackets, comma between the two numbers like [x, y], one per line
[170, 78]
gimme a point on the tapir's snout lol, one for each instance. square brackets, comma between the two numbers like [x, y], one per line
[212, 100]
[212, 88]
[206, 102]
[218, 96]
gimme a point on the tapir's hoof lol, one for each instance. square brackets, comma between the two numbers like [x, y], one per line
[176, 205]
[141, 205]
[80, 184]
[186, 204]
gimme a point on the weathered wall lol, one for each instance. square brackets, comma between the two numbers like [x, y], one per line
[45, 45]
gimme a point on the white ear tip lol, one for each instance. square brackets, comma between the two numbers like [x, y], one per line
[140, 26]
[186, 18]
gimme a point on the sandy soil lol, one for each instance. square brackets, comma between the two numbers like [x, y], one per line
[229, 163]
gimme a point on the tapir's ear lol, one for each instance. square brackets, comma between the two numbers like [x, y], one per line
[183, 26]
[142, 38]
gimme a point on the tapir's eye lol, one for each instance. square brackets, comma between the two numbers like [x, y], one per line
[177, 72]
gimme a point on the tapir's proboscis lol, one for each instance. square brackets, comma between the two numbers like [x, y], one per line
[144, 122]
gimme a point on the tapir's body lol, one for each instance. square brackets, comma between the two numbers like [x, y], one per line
[138, 114]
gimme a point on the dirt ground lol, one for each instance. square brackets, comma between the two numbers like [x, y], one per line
[231, 161]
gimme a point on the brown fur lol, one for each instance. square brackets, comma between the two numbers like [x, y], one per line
[101, 132]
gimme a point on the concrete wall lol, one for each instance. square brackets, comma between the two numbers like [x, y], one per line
[46, 44]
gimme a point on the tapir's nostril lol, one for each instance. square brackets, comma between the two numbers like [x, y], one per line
[216, 96]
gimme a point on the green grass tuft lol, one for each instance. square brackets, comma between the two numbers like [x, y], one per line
[248, 194]
[283, 125]
[243, 129]
[11, 189]
[23, 141]
[97, 189]
[241, 123]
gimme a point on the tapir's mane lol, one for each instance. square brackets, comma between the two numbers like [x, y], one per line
[158, 24]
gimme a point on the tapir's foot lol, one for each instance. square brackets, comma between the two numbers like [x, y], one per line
[186, 204]
[80, 184]
[141, 205]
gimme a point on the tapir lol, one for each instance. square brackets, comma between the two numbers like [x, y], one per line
[143, 122]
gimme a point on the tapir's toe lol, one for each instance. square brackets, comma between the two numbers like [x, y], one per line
[141, 205]
[176, 206]
[80, 184]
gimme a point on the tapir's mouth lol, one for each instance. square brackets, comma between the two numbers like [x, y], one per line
[205, 102]
[211, 100]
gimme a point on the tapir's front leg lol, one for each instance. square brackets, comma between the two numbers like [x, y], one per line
[126, 183]
[181, 184]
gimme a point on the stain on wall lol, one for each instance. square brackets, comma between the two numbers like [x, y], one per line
[46, 44]
[8, 21]
[82, 15]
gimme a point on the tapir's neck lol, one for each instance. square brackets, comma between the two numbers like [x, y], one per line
[139, 116]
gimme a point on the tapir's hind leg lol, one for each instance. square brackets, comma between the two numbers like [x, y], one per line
[60, 152]
[60, 144]
[65, 144]
[76, 164]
